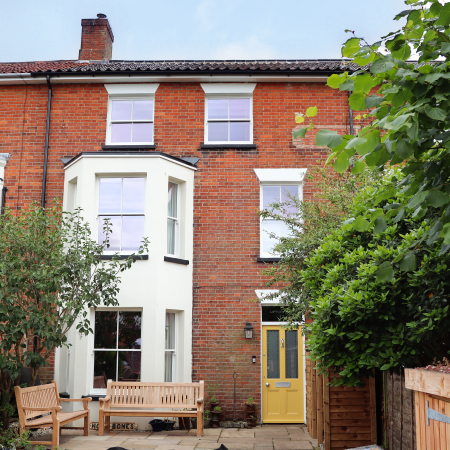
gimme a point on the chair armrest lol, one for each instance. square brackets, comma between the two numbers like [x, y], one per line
[87, 399]
[106, 399]
[199, 400]
[200, 404]
[34, 408]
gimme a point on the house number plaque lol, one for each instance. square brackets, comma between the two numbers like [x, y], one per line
[283, 384]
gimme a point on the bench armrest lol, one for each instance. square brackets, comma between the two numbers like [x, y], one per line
[200, 404]
[34, 408]
[104, 402]
[84, 400]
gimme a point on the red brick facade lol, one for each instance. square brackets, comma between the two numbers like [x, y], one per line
[226, 222]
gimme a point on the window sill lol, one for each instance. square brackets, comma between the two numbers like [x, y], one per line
[185, 262]
[129, 147]
[232, 146]
[267, 260]
[94, 397]
[121, 257]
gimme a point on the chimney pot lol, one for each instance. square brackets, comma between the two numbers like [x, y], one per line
[96, 39]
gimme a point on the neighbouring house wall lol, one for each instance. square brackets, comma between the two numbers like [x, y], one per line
[226, 196]
[399, 414]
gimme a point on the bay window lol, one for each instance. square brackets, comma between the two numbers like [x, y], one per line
[121, 200]
[117, 347]
[172, 219]
[170, 348]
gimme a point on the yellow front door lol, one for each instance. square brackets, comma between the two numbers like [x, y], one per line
[282, 375]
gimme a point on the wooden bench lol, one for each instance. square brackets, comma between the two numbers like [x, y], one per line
[141, 399]
[44, 401]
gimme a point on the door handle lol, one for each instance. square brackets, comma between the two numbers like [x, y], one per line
[267, 384]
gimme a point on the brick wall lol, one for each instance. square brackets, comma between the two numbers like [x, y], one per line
[226, 224]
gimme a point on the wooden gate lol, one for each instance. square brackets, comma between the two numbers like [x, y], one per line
[340, 417]
[432, 406]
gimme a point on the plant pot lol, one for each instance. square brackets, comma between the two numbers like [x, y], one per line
[185, 423]
[251, 423]
[250, 408]
[157, 425]
[213, 405]
[206, 423]
[215, 416]
[169, 424]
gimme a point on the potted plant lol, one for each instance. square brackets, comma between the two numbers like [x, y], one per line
[194, 423]
[251, 421]
[215, 419]
[213, 402]
[250, 405]
[206, 419]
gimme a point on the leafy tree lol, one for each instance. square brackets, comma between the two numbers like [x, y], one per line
[361, 323]
[408, 121]
[51, 272]
[377, 287]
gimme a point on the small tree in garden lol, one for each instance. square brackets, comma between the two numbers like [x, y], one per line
[51, 272]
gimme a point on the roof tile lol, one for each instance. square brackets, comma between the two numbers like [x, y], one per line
[36, 67]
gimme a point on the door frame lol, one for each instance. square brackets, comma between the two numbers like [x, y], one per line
[260, 293]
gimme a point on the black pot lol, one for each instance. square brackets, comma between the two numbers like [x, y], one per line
[169, 424]
[157, 425]
[215, 416]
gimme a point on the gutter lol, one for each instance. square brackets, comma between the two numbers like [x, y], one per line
[350, 114]
[47, 130]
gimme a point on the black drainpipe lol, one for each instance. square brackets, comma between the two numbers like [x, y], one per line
[47, 130]
[44, 179]
[4, 191]
[350, 114]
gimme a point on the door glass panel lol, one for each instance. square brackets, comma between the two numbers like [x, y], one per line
[273, 354]
[292, 354]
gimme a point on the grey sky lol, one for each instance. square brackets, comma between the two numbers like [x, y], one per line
[194, 29]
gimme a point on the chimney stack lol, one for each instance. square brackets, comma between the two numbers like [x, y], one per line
[96, 39]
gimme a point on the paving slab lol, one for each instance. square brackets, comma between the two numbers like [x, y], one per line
[207, 446]
[300, 437]
[175, 447]
[288, 445]
[241, 433]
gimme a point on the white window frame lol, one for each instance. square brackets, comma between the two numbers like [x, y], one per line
[122, 176]
[177, 223]
[129, 92]
[174, 350]
[277, 177]
[118, 310]
[228, 91]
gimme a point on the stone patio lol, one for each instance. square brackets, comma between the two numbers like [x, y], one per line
[267, 437]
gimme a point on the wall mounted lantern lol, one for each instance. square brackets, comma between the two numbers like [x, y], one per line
[248, 330]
